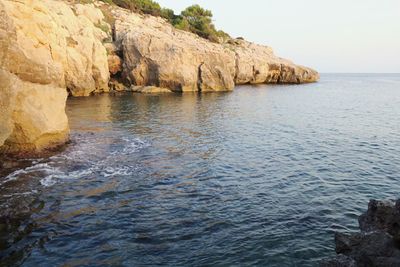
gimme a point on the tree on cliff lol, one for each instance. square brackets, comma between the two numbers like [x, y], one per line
[199, 20]
[194, 18]
[200, 23]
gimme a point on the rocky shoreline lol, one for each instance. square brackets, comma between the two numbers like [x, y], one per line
[377, 244]
[51, 49]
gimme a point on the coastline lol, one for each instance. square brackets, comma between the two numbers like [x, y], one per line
[98, 48]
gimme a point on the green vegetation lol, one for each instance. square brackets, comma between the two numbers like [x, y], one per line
[200, 23]
[194, 18]
[104, 27]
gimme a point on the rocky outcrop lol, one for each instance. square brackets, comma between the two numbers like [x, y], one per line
[257, 64]
[156, 54]
[378, 242]
[45, 49]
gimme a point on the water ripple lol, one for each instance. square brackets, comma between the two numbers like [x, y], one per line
[262, 176]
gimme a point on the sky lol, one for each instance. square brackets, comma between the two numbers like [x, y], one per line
[359, 36]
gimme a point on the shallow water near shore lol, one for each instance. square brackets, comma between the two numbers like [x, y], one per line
[260, 176]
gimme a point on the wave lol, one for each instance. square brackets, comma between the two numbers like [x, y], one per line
[84, 159]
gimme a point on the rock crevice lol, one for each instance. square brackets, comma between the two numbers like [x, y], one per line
[200, 78]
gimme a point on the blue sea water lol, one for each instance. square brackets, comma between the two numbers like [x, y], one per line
[261, 176]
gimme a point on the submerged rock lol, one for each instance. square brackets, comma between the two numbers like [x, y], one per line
[377, 244]
[149, 89]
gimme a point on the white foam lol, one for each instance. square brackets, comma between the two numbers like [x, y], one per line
[13, 176]
[22, 193]
[16, 174]
[48, 181]
[92, 157]
[132, 146]
[117, 171]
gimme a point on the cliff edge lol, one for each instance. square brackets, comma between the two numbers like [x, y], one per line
[51, 49]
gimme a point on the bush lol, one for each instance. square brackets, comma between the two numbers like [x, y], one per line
[200, 23]
[168, 14]
[144, 6]
[194, 18]
[181, 23]
[148, 7]
[200, 20]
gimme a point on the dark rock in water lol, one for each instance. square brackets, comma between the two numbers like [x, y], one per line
[368, 249]
[382, 216]
[339, 261]
[378, 242]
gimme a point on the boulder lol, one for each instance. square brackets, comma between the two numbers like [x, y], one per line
[113, 58]
[45, 50]
[34, 117]
[382, 216]
[377, 244]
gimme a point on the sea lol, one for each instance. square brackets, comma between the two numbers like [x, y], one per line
[260, 176]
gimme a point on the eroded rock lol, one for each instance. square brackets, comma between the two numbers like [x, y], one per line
[377, 243]
[156, 54]
[382, 216]
[45, 49]
[339, 261]
[257, 64]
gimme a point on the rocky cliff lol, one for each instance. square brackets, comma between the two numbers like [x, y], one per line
[159, 55]
[46, 47]
[378, 242]
[49, 49]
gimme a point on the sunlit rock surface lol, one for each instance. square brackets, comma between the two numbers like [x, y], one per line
[45, 50]
[157, 54]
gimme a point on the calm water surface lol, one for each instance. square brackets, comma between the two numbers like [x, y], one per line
[261, 176]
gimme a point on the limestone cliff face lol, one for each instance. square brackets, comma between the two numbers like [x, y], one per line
[50, 48]
[257, 64]
[156, 54]
[45, 49]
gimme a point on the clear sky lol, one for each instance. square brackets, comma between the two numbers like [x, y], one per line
[331, 36]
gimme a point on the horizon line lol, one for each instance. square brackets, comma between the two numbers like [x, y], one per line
[359, 72]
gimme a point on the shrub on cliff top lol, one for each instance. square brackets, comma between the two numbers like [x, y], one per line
[199, 21]
[194, 18]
